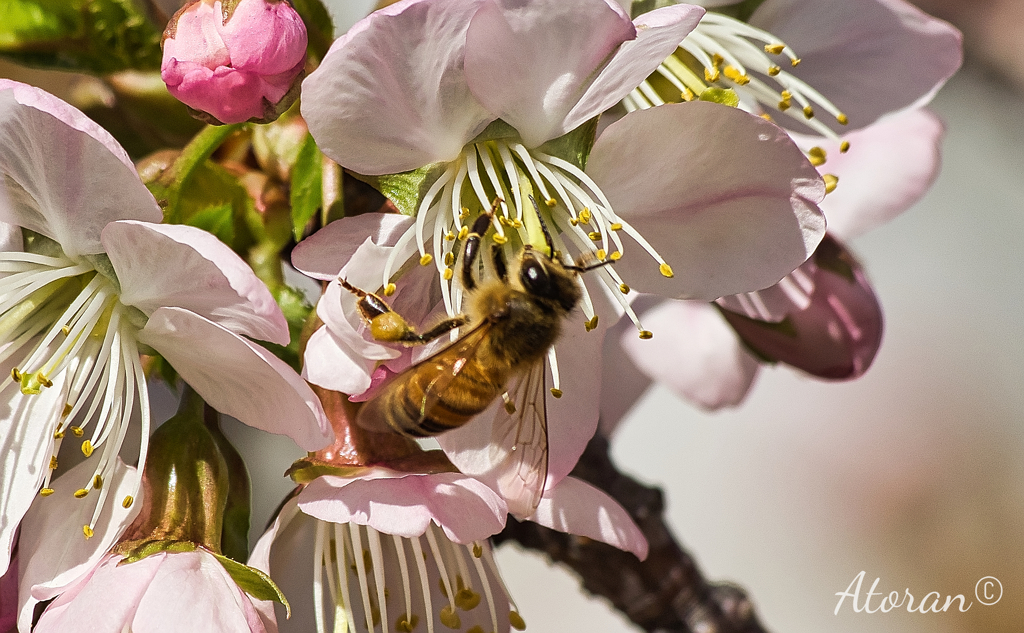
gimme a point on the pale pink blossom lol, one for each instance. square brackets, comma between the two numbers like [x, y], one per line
[236, 65]
[90, 281]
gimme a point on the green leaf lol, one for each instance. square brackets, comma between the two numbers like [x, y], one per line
[254, 582]
[741, 10]
[574, 146]
[307, 187]
[212, 199]
[296, 312]
[94, 36]
[407, 188]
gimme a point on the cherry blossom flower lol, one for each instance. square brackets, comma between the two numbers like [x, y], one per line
[475, 98]
[235, 61]
[90, 282]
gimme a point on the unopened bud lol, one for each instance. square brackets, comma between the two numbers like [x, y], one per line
[235, 60]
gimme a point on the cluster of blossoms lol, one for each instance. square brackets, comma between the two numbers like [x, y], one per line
[695, 170]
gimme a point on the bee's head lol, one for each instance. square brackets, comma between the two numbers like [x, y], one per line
[546, 278]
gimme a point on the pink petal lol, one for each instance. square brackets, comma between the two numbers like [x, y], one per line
[390, 95]
[725, 197]
[264, 37]
[393, 503]
[694, 353]
[173, 265]
[530, 63]
[658, 34]
[54, 552]
[869, 57]
[197, 38]
[891, 164]
[323, 254]
[62, 181]
[230, 95]
[223, 367]
[576, 507]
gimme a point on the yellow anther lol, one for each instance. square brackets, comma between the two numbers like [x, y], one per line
[463, 232]
[510, 407]
[467, 599]
[786, 95]
[87, 531]
[46, 492]
[831, 182]
[43, 380]
[53, 462]
[711, 74]
[58, 435]
[464, 212]
[77, 430]
[65, 330]
[717, 59]
[844, 147]
[842, 119]
[795, 62]
[517, 621]
[448, 274]
[516, 224]
[500, 239]
[426, 259]
[766, 116]
[586, 215]
[97, 482]
[551, 202]
[477, 550]
[15, 374]
[784, 105]
[591, 323]
[687, 95]
[87, 448]
[449, 258]
[817, 156]
[594, 235]
[646, 335]
[616, 256]
[502, 220]
[80, 493]
[734, 74]
[601, 254]
[449, 618]
[557, 393]
[127, 501]
[624, 289]
[774, 49]
[774, 70]
[573, 221]
[390, 289]
[808, 112]
[67, 410]
[476, 629]
[666, 270]
[406, 623]
[450, 235]
[615, 226]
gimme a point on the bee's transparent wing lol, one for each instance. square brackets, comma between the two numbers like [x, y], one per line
[519, 443]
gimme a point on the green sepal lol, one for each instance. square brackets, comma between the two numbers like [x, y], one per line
[297, 311]
[303, 470]
[724, 96]
[319, 26]
[496, 129]
[93, 36]
[574, 146]
[254, 582]
[834, 258]
[234, 535]
[784, 327]
[149, 548]
[307, 187]
[39, 244]
[741, 10]
[406, 189]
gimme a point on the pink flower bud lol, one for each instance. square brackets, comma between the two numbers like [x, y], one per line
[235, 60]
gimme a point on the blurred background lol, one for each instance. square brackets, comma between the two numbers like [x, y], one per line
[913, 474]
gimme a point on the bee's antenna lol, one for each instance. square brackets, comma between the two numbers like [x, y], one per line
[544, 229]
[583, 269]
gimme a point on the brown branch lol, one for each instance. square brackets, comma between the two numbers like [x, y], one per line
[666, 592]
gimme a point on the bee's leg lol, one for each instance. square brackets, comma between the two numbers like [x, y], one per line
[472, 249]
[387, 325]
[498, 257]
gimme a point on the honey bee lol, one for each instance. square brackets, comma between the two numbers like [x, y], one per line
[511, 321]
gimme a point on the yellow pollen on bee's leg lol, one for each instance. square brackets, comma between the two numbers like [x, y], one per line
[646, 335]
[844, 147]
[87, 448]
[46, 492]
[87, 531]
[426, 259]
[817, 156]
[390, 289]
[127, 501]
[557, 393]
[831, 182]
[666, 271]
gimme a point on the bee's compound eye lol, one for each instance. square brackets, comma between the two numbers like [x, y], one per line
[535, 279]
